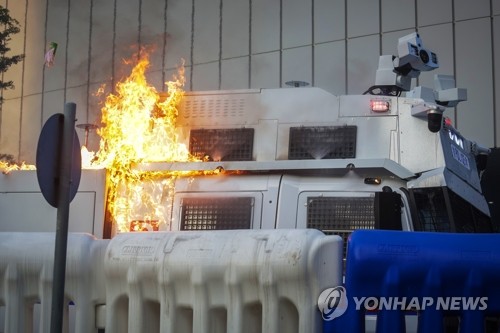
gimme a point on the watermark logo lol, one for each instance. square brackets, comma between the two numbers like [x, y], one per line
[421, 303]
[332, 302]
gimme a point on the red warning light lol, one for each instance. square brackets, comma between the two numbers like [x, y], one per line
[448, 122]
[379, 105]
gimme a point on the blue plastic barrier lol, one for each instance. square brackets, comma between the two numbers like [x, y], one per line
[443, 274]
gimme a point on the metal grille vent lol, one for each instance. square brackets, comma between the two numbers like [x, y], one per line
[201, 108]
[340, 215]
[235, 144]
[322, 142]
[216, 213]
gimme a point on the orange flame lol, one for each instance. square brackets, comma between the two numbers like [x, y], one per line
[6, 167]
[88, 158]
[139, 127]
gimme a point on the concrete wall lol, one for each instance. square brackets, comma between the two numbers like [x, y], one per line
[234, 44]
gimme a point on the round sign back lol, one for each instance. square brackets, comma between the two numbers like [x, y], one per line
[48, 160]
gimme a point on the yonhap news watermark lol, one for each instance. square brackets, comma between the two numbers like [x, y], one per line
[333, 302]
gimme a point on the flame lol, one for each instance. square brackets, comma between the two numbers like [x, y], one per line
[138, 126]
[88, 158]
[6, 167]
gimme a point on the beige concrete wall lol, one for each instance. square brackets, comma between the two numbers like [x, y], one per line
[234, 44]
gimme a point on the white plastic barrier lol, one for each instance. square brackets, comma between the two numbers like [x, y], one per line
[26, 271]
[212, 281]
[219, 281]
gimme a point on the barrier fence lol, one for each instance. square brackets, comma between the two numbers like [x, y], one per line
[26, 269]
[439, 277]
[217, 281]
[252, 281]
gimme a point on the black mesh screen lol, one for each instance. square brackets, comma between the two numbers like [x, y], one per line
[431, 211]
[322, 142]
[340, 215]
[468, 218]
[216, 213]
[440, 209]
[233, 144]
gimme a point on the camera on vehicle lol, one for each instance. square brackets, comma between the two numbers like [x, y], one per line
[412, 56]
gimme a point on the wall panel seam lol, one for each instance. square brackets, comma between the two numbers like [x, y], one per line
[43, 68]
[89, 58]
[68, 15]
[493, 71]
[220, 43]
[454, 51]
[22, 80]
[249, 44]
[313, 44]
[191, 55]
[139, 25]
[113, 48]
[164, 47]
[281, 46]
[346, 52]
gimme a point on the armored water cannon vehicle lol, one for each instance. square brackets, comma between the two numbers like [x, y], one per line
[304, 158]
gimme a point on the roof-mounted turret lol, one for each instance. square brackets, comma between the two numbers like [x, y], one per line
[395, 73]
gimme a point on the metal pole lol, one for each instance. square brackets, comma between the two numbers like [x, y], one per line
[63, 200]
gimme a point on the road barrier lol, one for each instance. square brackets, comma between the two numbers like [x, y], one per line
[211, 281]
[26, 272]
[439, 276]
